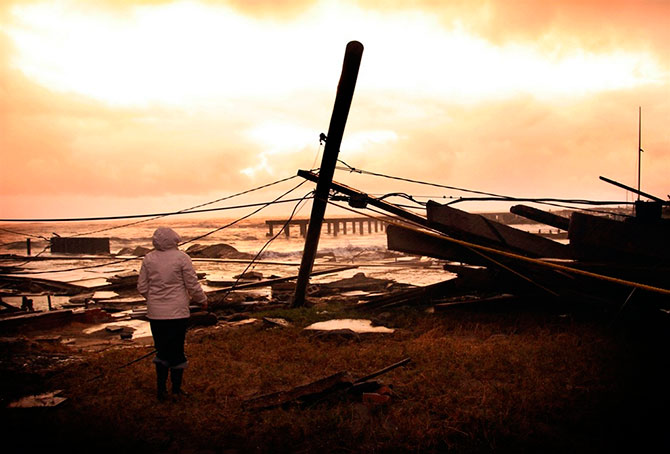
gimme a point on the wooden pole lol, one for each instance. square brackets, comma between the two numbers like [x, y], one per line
[338, 120]
[637, 191]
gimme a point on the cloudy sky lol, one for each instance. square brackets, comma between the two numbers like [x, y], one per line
[115, 107]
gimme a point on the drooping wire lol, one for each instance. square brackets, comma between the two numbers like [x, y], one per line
[110, 218]
[116, 262]
[410, 180]
[404, 195]
[24, 234]
[296, 210]
[497, 197]
[246, 216]
[48, 246]
[193, 209]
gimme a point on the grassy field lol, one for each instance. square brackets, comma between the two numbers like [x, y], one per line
[517, 379]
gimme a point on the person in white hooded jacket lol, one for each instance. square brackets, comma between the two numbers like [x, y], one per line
[169, 283]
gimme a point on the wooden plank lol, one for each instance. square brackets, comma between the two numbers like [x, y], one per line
[48, 284]
[315, 391]
[302, 393]
[268, 282]
[637, 191]
[36, 320]
[478, 302]
[413, 241]
[410, 296]
[543, 217]
[476, 228]
[383, 371]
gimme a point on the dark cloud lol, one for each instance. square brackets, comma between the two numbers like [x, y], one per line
[596, 25]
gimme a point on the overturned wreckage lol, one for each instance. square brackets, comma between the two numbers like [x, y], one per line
[606, 261]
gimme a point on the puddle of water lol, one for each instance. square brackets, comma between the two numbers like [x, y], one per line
[355, 325]
[141, 327]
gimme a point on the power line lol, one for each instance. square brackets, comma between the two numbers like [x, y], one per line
[248, 215]
[193, 209]
[185, 242]
[24, 234]
[296, 209]
[495, 197]
[131, 216]
[157, 215]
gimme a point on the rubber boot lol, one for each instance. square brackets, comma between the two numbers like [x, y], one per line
[161, 381]
[176, 376]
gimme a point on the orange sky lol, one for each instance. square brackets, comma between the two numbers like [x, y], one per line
[115, 107]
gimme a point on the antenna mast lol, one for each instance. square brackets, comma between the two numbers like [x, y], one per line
[639, 150]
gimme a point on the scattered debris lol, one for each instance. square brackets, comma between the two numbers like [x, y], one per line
[250, 276]
[124, 279]
[82, 298]
[475, 301]
[50, 399]
[35, 320]
[202, 318]
[303, 394]
[317, 391]
[276, 322]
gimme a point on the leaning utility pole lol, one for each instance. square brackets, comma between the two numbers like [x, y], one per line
[338, 120]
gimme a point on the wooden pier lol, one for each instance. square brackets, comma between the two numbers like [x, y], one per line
[334, 226]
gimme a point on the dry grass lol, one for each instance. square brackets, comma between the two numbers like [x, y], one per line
[517, 381]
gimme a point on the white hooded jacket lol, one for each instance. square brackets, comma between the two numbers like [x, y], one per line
[167, 279]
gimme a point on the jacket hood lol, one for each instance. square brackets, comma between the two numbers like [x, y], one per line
[165, 238]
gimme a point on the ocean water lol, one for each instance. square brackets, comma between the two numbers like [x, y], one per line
[280, 257]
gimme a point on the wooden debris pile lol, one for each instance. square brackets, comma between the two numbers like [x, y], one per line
[604, 261]
[340, 384]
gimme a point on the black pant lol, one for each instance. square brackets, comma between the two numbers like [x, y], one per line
[169, 338]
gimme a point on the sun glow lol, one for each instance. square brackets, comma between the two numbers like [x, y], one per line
[186, 53]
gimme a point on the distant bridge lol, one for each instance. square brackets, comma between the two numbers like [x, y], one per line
[361, 226]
